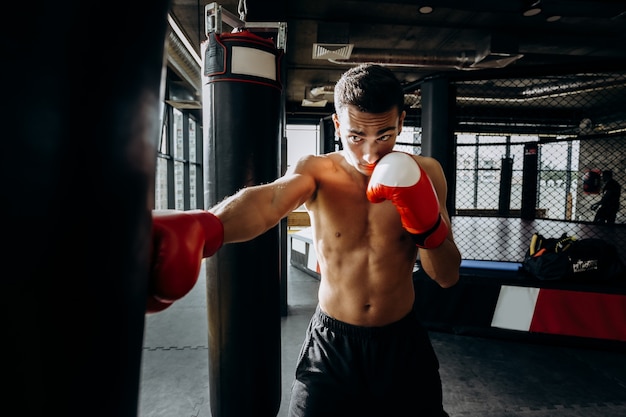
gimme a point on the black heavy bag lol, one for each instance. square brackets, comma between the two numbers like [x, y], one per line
[241, 112]
[80, 140]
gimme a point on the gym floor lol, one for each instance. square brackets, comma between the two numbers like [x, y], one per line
[482, 377]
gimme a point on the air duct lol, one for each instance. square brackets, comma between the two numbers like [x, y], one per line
[465, 60]
[491, 52]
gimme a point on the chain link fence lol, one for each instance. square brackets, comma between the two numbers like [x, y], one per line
[530, 153]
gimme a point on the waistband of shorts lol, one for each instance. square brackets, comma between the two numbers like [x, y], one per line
[347, 329]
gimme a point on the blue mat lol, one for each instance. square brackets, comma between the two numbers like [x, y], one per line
[491, 269]
[491, 265]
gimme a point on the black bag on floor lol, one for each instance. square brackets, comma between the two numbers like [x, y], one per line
[570, 259]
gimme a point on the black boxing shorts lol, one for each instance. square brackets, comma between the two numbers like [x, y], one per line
[345, 370]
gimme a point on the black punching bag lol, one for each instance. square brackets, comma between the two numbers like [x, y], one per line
[241, 117]
[79, 144]
[529, 181]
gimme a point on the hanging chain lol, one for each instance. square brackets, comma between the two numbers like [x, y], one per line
[243, 10]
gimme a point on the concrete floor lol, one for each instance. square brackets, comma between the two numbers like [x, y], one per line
[175, 381]
[482, 377]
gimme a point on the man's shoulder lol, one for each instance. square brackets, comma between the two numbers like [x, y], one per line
[324, 159]
[317, 165]
[430, 164]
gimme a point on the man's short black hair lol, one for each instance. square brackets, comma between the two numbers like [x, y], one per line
[371, 88]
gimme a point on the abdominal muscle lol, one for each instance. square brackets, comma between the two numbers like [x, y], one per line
[367, 285]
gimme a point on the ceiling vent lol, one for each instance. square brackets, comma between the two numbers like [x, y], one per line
[332, 50]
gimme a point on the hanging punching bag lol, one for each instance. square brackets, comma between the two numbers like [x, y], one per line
[80, 145]
[241, 116]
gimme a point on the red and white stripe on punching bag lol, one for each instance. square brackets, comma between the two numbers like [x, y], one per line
[241, 98]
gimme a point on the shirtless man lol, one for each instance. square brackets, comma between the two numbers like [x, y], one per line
[365, 351]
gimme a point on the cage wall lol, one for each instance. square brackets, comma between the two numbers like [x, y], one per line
[575, 122]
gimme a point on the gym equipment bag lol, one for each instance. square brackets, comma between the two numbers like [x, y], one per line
[571, 259]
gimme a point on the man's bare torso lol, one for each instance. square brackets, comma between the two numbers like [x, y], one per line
[365, 257]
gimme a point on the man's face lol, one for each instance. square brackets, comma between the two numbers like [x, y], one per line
[367, 137]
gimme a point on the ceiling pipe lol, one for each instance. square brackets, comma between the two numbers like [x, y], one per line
[420, 59]
[465, 60]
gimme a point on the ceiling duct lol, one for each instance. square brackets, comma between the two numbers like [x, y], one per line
[466, 60]
[490, 53]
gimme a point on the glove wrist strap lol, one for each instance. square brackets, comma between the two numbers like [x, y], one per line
[433, 237]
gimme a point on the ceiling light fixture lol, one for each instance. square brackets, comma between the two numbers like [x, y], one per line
[533, 8]
[313, 103]
[553, 18]
[425, 9]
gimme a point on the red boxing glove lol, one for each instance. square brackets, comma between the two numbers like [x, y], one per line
[180, 240]
[399, 178]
